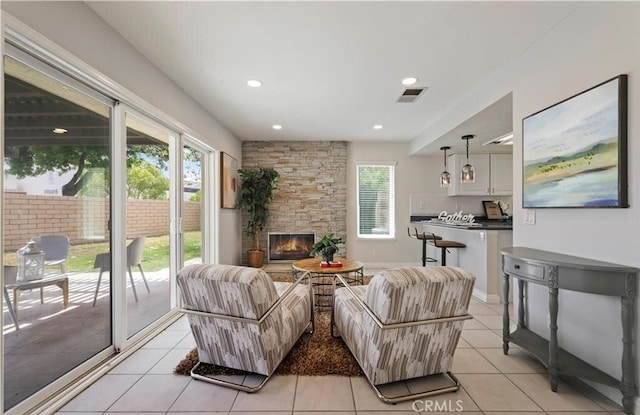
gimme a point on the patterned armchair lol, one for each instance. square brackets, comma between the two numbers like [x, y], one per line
[241, 319]
[405, 324]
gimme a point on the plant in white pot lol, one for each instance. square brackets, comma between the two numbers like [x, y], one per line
[256, 193]
[327, 246]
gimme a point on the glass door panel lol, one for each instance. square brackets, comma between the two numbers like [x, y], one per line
[56, 191]
[148, 275]
[194, 195]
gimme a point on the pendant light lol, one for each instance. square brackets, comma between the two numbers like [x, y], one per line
[445, 177]
[468, 174]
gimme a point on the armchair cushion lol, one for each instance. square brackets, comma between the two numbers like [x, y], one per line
[412, 294]
[229, 290]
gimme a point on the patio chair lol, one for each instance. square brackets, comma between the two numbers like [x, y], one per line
[405, 324]
[241, 319]
[55, 248]
[134, 258]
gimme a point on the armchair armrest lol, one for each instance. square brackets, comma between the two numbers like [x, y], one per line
[375, 318]
[273, 307]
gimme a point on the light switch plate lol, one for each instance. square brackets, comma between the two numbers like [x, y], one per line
[529, 217]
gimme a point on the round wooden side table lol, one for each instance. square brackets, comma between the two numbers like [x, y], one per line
[351, 269]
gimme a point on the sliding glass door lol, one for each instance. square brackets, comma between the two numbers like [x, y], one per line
[150, 222]
[57, 176]
[115, 203]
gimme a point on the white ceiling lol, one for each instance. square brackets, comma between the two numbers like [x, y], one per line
[331, 70]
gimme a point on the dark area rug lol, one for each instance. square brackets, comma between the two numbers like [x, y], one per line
[316, 354]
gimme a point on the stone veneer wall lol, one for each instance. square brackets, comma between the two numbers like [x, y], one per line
[312, 189]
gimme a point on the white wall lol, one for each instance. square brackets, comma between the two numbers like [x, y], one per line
[75, 27]
[565, 64]
[597, 42]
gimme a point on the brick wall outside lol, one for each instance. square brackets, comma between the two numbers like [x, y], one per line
[312, 189]
[26, 216]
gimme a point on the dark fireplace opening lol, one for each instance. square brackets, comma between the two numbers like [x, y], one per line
[290, 246]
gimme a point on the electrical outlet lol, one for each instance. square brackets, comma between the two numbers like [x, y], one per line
[423, 205]
[482, 236]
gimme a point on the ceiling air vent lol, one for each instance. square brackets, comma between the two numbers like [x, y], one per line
[411, 94]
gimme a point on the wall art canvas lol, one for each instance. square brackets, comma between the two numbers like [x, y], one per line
[229, 185]
[575, 152]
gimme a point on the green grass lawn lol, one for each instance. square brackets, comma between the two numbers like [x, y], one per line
[154, 257]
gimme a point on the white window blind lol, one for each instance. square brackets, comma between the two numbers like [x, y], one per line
[376, 201]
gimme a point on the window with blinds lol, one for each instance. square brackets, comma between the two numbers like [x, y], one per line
[376, 201]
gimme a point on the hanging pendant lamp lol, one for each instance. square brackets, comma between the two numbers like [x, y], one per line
[445, 177]
[468, 174]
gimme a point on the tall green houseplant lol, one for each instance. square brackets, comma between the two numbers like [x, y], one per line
[256, 193]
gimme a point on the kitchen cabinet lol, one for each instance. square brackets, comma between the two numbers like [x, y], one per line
[494, 175]
[501, 174]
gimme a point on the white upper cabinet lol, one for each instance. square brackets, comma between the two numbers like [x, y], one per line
[501, 174]
[494, 175]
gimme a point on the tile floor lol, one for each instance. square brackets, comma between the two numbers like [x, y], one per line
[492, 383]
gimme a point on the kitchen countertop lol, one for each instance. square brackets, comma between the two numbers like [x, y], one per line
[479, 226]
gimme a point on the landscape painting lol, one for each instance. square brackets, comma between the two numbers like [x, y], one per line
[574, 152]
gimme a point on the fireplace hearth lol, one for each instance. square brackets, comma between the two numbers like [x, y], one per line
[289, 247]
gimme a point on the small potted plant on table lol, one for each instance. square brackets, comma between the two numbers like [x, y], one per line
[327, 246]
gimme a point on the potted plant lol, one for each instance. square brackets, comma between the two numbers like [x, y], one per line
[256, 192]
[327, 246]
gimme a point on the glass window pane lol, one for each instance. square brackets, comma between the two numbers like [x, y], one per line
[376, 203]
[192, 212]
[148, 224]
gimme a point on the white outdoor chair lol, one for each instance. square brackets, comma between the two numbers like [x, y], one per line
[134, 258]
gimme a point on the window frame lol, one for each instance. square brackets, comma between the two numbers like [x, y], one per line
[391, 217]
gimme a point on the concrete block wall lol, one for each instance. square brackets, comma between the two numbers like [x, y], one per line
[84, 219]
[312, 189]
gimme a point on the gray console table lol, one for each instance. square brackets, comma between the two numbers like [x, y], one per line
[558, 271]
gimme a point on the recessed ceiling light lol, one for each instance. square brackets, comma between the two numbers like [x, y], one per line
[59, 130]
[409, 81]
[277, 127]
[377, 127]
[254, 83]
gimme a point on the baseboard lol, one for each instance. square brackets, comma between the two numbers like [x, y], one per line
[486, 298]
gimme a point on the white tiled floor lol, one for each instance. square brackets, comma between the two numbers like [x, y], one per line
[492, 383]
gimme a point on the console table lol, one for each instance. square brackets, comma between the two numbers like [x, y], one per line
[558, 271]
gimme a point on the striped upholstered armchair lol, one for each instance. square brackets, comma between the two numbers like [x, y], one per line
[243, 320]
[405, 324]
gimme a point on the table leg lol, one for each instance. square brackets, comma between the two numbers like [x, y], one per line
[16, 293]
[12, 313]
[553, 329]
[628, 382]
[505, 315]
[64, 285]
[521, 323]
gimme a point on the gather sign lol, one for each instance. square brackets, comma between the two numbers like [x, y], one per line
[456, 217]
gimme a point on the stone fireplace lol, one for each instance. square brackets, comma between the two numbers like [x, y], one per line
[290, 247]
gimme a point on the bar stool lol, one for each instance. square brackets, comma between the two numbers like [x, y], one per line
[444, 246]
[424, 237]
